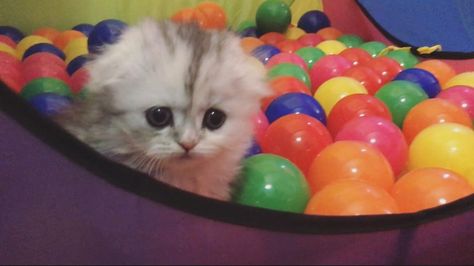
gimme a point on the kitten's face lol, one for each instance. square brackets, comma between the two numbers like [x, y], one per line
[176, 93]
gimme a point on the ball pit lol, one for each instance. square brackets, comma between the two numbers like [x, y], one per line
[318, 74]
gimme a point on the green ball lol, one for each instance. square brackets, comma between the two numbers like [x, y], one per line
[273, 16]
[288, 69]
[310, 55]
[45, 85]
[245, 25]
[272, 182]
[373, 48]
[400, 96]
[405, 58]
[351, 40]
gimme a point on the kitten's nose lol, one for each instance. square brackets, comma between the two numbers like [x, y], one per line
[187, 146]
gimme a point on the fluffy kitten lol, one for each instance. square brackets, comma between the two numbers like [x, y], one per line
[173, 101]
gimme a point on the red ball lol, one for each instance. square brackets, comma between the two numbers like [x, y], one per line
[272, 38]
[291, 58]
[31, 72]
[327, 67]
[297, 137]
[43, 58]
[354, 106]
[366, 76]
[356, 56]
[79, 79]
[310, 39]
[289, 46]
[385, 66]
[260, 126]
[7, 40]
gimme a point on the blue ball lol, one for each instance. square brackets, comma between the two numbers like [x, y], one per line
[44, 47]
[295, 103]
[313, 20]
[249, 32]
[84, 28]
[105, 32]
[15, 34]
[49, 103]
[425, 79]
[76, 64]
[253, 150]
[264, 52]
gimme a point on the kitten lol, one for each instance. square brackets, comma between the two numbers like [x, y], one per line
[173, 101]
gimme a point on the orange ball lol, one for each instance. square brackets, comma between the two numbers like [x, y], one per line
[350, 160]
[214, 14]
[283, 85]
[441, 70]
[329, 33]
[184, 15]
[430, 112]
[250, 43]
[351, 197]
[429, 187]
[272, 38]
[63, 39]
[47, 32]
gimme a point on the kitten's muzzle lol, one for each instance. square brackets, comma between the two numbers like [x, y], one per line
[187, 146]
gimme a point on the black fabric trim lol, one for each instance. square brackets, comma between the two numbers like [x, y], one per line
[398, 42]
[135, 182]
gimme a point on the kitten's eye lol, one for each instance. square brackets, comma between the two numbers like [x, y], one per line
[213, 119]
[159, 117]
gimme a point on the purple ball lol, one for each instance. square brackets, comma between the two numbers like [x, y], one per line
[313, 20]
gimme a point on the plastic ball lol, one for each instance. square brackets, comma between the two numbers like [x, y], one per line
[8, 41]
[261, 124]
[447, 145]
[294, 33]
[354, 106]
[297, 137]
[49, 103]
[386, 67]
[245, 25]
[47, 32]
[462, 79]
[45, 85]
[8, 59]
[78, 80]
[430, 112]
[76, 64]
[350, 40]
[327, 67]
[381, 134]
[5, 48]
[85, 28]
[13, 33]
[286, 58]
[289, 46]
[425, 79]
[329, 33]
[335, 89]
[429, 187]
[404, 58]
[313, 20]
[272, 182]
[373, 48]
[264, 52]
[75, 48]
[351, 197]
[283, 85]
[440, 69]
[310, 39]
[310, 55]
[32, 72]
[249, 32]
[331, 47]
[273, 16]
[253, 150]
[295, 103]
[350, 160]
[43, 47]
[248, 44]
[356, 56]
[10, 73]
[63, 39]
[215, 15]
[401, 96]
[462, 96]
[105, 32]
[43, 58]
[286, 69]
[272, 38]
[371, 81]
[29, 41]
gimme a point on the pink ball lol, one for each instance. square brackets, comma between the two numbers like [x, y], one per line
[382, 134]
[310, 39]
[327, 67]
[79, 79]
[286, 58]
[462, 96]
[260, 126]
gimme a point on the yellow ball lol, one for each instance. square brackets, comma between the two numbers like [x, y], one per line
[449, 146]
[294, 33]
[333, 90]
[465, 78]
[7, 49]
[27, 42]
[75, 48]
[331, 46]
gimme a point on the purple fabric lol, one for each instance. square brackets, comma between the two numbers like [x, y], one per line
[52, 211]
